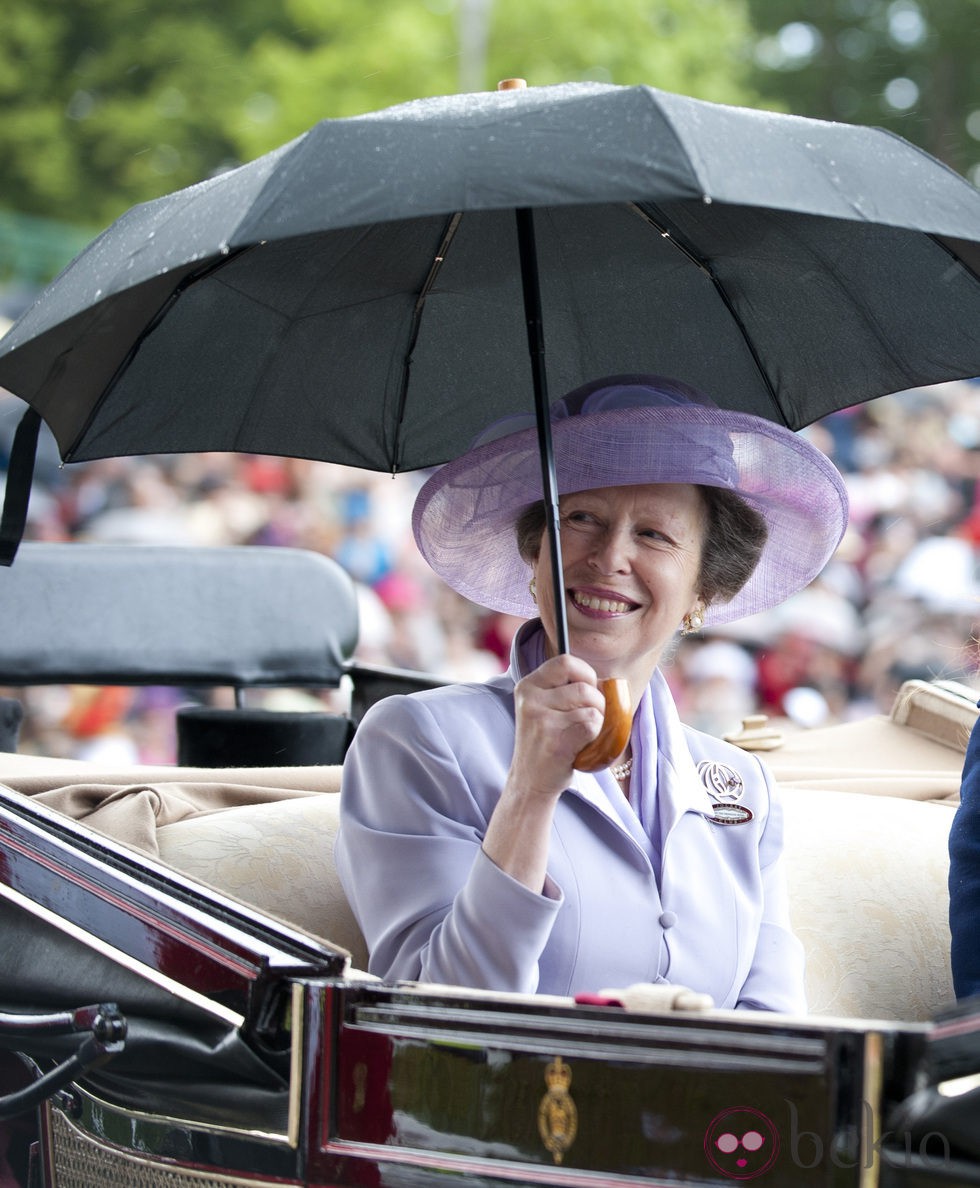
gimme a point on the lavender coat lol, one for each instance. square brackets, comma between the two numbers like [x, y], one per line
[710, 912]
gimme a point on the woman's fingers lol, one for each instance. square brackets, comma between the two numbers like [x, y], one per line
[560, 671]
[561, 688]
[564, 698]
[559, 711]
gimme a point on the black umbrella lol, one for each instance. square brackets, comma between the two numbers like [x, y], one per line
[363, 294]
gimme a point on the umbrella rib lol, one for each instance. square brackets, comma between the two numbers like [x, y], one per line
[452, 225]
[661, 226]
[191, 278]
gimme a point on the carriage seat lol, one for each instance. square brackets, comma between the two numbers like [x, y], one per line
[866, 852]
[867, 885]
[277, 855]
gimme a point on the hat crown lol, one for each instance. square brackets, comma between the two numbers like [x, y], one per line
[611, 394]
[629, 391]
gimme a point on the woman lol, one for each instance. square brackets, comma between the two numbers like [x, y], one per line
[471, 849]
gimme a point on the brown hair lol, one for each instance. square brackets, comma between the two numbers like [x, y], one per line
[734, 538]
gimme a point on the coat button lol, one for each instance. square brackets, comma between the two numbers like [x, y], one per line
[667, 919]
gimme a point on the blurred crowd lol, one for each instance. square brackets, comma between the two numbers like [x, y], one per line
[899, 600]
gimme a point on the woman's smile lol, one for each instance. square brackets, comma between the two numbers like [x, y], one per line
[601, 603]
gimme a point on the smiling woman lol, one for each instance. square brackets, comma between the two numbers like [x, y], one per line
[514, 870]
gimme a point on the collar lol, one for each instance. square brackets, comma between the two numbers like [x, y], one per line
[527, 649]
[679, 787]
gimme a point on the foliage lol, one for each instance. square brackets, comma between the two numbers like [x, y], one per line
[104, 103]
[394, 50]
[907, 65]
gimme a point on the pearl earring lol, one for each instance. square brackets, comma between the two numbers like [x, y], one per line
[693, 621]
[532, 586]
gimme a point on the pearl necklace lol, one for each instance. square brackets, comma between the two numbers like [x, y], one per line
[621, 771]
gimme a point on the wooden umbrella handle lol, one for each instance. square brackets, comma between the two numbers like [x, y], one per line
[616, 725]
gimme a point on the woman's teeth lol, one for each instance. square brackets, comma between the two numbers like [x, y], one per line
[601, 604]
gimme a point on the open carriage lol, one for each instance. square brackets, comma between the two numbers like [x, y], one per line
[183, 992]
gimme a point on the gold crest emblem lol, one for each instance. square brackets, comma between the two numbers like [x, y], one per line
[557, 1115]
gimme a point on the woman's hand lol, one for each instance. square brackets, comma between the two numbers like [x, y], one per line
[559, 710]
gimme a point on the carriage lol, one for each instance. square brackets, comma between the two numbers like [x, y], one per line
[184, 997]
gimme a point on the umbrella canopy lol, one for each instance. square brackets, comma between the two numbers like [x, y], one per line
[356, 294]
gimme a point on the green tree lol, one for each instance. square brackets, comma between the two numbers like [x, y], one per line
[104, 103]
[394, 50]
[907, 65]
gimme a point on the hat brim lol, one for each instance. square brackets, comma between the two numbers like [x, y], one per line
[464, 516]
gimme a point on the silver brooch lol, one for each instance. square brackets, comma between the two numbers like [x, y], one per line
[725, 787]
[722, 781]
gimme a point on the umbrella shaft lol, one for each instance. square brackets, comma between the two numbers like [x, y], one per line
[542, 410]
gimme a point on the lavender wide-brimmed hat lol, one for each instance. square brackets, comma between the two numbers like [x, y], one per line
[623, 431]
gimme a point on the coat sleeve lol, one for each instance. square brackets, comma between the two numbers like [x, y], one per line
[775, 981]
[964, 876]
[432, 906]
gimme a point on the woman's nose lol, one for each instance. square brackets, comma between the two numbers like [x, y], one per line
[612, 552]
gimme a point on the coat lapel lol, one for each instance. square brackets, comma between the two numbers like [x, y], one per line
[679, 788]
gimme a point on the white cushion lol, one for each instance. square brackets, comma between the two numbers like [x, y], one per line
[866, 877]
[867, 880]
[277, 856]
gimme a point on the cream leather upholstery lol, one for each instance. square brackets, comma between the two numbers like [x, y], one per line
[277, 856]
[866, 874]
[868, 899]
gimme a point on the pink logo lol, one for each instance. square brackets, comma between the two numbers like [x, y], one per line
[741, 1143]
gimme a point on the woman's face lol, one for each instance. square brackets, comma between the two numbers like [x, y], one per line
[631, 558]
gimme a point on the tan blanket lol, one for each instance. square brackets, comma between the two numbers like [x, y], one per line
[874, 756]
[131, 812]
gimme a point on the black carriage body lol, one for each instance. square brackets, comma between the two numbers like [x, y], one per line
[408, 1087]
